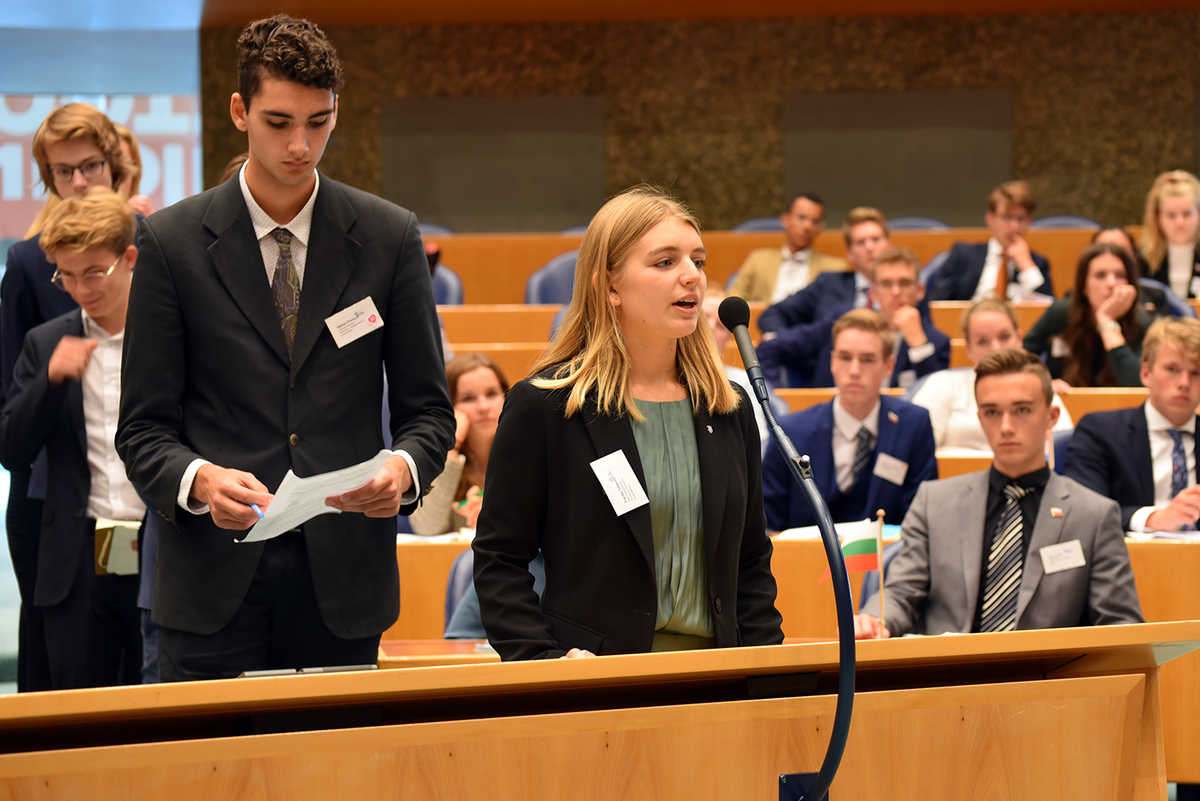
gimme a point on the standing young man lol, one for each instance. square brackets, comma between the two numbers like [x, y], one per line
[232, 377]
[64, 397]
[76, 148]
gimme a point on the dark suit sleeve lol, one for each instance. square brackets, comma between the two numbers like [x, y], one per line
[1089, 462]
[776, 488]
[422, 418]
[18, 311]
[759, 622]
[922, 456]
[1043, 264]
[511, 523]
[940, 360]
[153, 382]
[945, 285]
[33, 407]
[797, 350]
[1049, 325]
[1112, 591]
[799, 307]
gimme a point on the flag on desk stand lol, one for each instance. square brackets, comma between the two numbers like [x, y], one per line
[862, 545]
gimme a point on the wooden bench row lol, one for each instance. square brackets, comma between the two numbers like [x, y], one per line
[1078, 401]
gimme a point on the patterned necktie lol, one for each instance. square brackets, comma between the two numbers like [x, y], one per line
[1179, 470]
[862, 457]
[285, 286]
[1005, 565]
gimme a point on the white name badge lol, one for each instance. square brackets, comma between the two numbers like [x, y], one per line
[1196, 285]
[1062, 556]
[1059, 349]
[889, 468]
[619, 482]
[353, 322]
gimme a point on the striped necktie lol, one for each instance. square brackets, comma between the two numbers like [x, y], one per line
[1005, 565]
[862, 457]
[1179, 470]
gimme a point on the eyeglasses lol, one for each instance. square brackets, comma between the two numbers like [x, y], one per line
[62, 174]
[896, 286]
[92, 279]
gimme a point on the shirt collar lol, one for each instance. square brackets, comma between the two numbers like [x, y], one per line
[299, 226]
[92, 329]
[849, 425]
[994, 248]
[1029, 481]
[789, 255]
[1156, 421]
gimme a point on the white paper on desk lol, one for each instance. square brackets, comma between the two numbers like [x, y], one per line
[299, 500]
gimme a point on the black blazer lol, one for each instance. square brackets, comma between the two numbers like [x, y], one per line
[206, 375]
[1162, 271]
[1110, 453]
[959, 274]
[40, 414]
[600, 590]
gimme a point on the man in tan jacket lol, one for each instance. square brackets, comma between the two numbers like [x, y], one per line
[771, 274]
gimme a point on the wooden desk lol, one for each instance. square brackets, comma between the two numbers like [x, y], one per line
[516, 359]
[1087, 400]
[499, 323]
[947, 315]
[800, 399]
[1022, 715]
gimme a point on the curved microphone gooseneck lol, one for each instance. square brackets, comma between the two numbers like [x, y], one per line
[735, 315]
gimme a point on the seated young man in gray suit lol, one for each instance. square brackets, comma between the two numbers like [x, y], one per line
[1144, 458]
[1014, 547]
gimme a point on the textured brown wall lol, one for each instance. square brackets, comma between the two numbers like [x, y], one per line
[1101, 102]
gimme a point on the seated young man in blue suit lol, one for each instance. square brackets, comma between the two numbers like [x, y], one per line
[869, 451]
[1144, 458]
[866, 234]
[64, 396]
[1016, 546]
[799, 356]
[972, 272]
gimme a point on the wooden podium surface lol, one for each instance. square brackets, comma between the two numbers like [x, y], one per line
[1022, 715]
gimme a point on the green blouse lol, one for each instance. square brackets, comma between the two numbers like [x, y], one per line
[666, 442]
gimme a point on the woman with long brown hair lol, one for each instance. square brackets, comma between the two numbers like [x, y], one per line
[1094, 337]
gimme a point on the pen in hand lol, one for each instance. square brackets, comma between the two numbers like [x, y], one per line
[257, 511]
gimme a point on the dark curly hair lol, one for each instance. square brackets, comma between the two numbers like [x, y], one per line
[289, 48]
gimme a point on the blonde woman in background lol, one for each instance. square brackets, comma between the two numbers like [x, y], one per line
[1168, 241]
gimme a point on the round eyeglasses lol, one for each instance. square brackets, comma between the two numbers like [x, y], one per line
[92, 279]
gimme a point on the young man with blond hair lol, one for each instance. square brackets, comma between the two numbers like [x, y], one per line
[799, 356]
[1144, 458]
[1003, 267]
[64, 397]
[1016, 546]
[869, 451]
[772, 274]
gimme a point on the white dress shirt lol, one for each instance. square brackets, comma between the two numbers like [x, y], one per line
[845, 440]
[300, 227]
[1162, 445]
[793, 273]
[1025, 284]
[111, 495]
[1180, 268]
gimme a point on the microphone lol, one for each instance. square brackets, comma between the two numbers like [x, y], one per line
[735, 315]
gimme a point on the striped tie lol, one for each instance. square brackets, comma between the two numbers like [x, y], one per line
[1006, 563]
[862, 457]
[1179, 471]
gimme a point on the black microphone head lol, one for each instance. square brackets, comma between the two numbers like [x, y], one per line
[733, 312]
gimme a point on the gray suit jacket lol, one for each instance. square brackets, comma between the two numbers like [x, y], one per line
[932, 586]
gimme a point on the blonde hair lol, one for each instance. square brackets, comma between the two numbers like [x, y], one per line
[134, 162]
[866, 320]
[1176, 183]
[99, 218]
[1181, 333]
[39, 222]
[589, 351]
[864, 214]
[79, 121]
[987, 305]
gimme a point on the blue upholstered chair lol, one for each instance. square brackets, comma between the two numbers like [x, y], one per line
[554, 282]
[917, 224]
[1175, 304]
[1062, 441]
[930, 270]
[760, 224]
[1064, 221]
[447, 287]
[429, 229]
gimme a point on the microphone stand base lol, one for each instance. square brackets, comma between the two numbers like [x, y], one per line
[795, 787]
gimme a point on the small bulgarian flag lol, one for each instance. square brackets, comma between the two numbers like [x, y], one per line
[862, 544]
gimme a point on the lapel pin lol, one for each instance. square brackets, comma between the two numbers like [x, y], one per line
[893, 417]
[709, 429]
[1055, 511]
